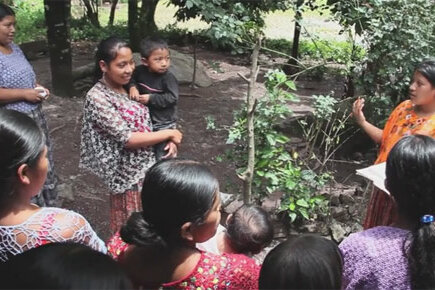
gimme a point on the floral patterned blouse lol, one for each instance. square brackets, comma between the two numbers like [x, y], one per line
[403, 121]
[226, 271]
[109, 118]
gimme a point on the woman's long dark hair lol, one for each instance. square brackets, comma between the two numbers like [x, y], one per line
[174, 192]
[5, 10]
[21, 142]
[410, 175]
[107, 51]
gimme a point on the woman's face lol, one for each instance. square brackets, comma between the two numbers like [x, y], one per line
[421, 91]
[7, 30]
[120, 69]
[207, 229]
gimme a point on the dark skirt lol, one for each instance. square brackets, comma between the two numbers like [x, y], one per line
[122, 206]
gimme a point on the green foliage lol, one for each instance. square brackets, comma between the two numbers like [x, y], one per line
[82, 29]
[398, 34]
[327, 50]
[275, 167]
[326, 130]
[30, 20]
[233, 23]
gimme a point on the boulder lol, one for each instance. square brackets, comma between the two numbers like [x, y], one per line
[182, 68]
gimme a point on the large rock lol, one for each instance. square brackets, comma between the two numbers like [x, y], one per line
[182, 68]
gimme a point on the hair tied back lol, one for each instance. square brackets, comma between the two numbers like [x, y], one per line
[427, 219]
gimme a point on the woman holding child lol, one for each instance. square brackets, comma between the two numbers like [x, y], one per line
[117, 135]
[414, 116]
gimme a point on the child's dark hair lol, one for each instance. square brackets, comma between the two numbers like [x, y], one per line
[5, 10]
[63, 266]
[174, 192]
[304, 262]
[427, 69]
[410, 172]
[107, 51]
[21, 142]
[149, 44]
[249, 229]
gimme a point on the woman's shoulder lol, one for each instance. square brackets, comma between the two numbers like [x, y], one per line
[373, 236]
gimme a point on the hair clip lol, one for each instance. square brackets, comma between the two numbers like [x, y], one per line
[427, 219]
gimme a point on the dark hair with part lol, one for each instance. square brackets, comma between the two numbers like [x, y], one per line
[249, 229]
[21, 142]
[149, 44]
[410, 173]
[427, 69]
[63, 266]
[107, 51]
[303, 262]
[174, 192]
[5, 10]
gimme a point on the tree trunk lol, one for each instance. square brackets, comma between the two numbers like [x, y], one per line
[141, 25]
[251, 102]
[112, 12]
[57, 17]
[91, 12]
[291, 68]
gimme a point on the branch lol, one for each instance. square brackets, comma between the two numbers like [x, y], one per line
[243, 77]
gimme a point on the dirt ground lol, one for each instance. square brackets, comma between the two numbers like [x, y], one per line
[83, 192]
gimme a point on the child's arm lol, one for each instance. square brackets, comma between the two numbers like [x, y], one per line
[169, 97]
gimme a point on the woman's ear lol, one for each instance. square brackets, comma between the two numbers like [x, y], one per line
[229, 217]
[187, 232]
[103, 65]
[22, 174]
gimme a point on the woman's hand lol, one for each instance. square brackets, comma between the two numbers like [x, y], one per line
[357, 112]
[32, 96]
[172, 149]
[176, 136]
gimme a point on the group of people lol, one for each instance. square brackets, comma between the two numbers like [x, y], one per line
[166, 212]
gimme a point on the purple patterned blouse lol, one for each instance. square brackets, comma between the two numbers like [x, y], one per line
[375, 259]
[17, 73]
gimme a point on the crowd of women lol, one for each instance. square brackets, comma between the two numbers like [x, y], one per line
[163, 213]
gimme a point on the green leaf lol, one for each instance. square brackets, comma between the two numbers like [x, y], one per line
[302, 203]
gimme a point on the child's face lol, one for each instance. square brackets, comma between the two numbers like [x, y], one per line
[158, 61]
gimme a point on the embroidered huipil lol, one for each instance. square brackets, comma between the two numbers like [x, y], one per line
[109, 118]
[48, 225]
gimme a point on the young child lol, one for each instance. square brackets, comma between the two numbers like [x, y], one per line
[303, 262]
[249, 230]
[154, 85]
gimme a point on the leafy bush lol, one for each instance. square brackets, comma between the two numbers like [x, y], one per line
[82, 29]
[397, 34]
[275, 167]
[30, 20]
[328, 50]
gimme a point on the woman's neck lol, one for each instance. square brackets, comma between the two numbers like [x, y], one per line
[5, 49]
[425, 110]
[16, 210]
[112, 85]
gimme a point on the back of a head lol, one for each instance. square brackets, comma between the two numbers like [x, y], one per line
[63, 266]
[149, 44]
[23, 141]
[174, 192]
[250, 229]
[410, 175]
[304, 262]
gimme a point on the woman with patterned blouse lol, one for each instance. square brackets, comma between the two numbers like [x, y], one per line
[414, 116]
[23, 169]
[181, 207]
[17, 92]
[117, 135]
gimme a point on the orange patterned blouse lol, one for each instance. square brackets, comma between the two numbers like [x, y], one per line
[403, 121]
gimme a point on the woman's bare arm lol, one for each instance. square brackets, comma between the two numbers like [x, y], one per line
[139, 139]
[13, 95]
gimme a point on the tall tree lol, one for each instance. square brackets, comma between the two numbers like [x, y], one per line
[112, 12]
[141, 22]
[57, 17]
[91, 7]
